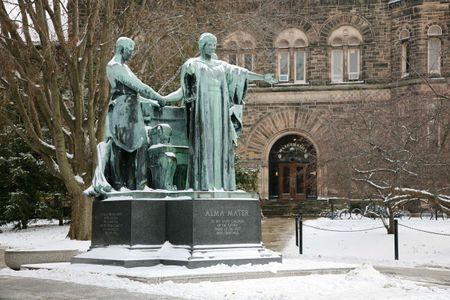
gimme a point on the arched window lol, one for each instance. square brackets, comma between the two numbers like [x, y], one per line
[345, 54]
[434, 49]
[239, 49]
[291, 45]
[405, 55]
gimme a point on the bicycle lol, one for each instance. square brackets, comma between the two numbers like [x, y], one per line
[345, 214]
[370, 211]
[331, 214]
[341, 214]
[377, 211]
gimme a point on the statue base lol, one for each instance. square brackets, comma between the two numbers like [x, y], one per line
[188, 228]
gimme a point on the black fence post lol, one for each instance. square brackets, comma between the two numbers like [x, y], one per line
[396, 239]
[296, 231]
[300, 236]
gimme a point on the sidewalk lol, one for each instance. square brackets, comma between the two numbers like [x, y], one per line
[422, 274]
[276, 232]
[2, 258]
[31, 288]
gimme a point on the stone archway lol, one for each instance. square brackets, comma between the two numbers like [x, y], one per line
[359, 22]
[287, 121]
[292, 169]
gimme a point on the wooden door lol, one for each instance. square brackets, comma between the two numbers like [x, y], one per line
[291, 181]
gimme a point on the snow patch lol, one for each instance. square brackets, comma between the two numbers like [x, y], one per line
[79, 179]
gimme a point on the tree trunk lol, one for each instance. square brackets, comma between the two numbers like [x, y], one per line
[390, 229]
[80, 225]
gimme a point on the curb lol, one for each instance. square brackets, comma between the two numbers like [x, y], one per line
[237, 276]
[196, 278]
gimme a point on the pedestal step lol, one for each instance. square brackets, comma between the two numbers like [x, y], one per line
[168, 254]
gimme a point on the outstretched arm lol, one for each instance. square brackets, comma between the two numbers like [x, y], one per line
[124, 75]
[148, 101]
[174, 96]
[251, 76]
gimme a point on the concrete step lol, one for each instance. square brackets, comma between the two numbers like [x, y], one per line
[311, 208]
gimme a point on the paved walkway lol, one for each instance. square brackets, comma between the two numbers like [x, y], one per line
[276, 232]
[2, 258]
[425, 275]
[31, 288]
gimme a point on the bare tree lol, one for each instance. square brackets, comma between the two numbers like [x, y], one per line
[395, 151]
[53, 71]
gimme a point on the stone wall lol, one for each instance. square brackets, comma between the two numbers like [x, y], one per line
[317, 110]
[417, 17]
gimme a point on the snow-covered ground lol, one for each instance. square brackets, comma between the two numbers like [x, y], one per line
[322, 249]
[416, 247]
[41, 234]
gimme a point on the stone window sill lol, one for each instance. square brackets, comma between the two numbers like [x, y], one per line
[347, 82]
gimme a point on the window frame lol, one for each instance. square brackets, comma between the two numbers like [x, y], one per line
[229, 55]
[434, 33]
[288, 43]
[296, 51]
[280, 52]
[438, 57]
[358, 64]
[332, 69]
[244, 64]
[405, 58]
[239, 46]
[344, 42]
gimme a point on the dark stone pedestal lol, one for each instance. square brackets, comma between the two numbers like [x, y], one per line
[194, 229]
[128, 222]
[214, 222]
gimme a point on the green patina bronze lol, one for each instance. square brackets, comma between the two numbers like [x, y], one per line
[213, 93]
[122, 161]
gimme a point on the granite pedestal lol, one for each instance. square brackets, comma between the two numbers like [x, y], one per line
[194, 229]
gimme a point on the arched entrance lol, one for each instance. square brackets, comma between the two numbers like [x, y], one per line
[293, 169]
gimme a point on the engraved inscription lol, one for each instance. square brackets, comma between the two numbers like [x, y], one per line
[227, 226]
[227, 222]
[110, 222]
[228, 213]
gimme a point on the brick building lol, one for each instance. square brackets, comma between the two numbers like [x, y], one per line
[329, 56]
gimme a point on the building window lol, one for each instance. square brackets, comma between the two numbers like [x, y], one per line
[232, 58]
[291, 45]
[434, 49]
[405, 53]
[337, 65]
[248, 61]
[345, 54]
[353, 64]
[405, 59]
[283, 65]
[239, 50]
[300, 70]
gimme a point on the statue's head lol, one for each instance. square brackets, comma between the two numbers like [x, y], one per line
[207, 44]
[125, 47]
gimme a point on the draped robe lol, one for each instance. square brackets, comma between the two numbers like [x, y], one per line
[213, 95]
